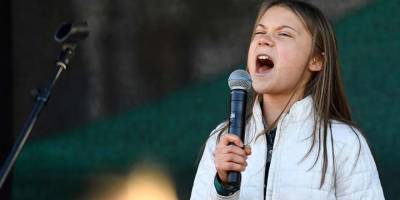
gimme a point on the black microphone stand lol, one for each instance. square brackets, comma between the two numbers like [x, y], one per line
[68, 35]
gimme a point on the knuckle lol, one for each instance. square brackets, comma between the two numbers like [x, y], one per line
[229, 148]
[226, 136]
[239, 167]
[241, 160]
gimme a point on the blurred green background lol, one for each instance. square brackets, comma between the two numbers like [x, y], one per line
[169, 131]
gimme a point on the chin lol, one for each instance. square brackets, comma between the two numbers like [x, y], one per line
[261, 89]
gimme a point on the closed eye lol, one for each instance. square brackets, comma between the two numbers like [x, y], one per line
[259, 33]
[284, 35]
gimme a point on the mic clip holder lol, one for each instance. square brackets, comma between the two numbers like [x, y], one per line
[69, 34]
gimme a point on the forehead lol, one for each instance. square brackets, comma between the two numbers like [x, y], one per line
[280, 16]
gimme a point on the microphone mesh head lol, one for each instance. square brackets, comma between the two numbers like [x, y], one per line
[239, 79]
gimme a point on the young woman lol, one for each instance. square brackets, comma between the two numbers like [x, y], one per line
[301, 141]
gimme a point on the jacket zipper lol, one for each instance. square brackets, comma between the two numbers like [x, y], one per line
[277, 134]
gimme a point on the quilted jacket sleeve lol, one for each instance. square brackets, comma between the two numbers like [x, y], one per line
[357, 175]
[203, 186]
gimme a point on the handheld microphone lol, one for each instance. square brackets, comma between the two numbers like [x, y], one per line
[240, 83]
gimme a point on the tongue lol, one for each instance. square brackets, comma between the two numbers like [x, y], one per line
[263, 68]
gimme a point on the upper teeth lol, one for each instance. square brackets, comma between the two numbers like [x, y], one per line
[263, 57]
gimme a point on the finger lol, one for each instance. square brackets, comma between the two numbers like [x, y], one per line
[247, 149]
[236, 159]
[235, 150]
[231, 166]
[230, 138]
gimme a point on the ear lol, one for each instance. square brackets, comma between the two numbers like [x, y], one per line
[316, 63]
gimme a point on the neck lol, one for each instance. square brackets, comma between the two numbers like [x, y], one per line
[274, 105]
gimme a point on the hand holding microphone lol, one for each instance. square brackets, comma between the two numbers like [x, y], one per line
[230, 154]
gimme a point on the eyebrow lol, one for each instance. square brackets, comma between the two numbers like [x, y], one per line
[280, 27]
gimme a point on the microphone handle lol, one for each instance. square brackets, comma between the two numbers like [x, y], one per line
[237, 126]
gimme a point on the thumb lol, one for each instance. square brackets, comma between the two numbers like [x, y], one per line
[247, 149]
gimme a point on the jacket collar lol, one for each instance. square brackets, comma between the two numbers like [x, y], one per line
[300, 111]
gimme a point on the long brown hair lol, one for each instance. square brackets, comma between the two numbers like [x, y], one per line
[325, 86]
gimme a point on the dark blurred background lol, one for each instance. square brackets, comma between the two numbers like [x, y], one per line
[149, 84]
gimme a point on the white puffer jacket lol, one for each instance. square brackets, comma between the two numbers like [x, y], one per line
[289, 177]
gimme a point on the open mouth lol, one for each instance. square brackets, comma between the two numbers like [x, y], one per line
[264, 63]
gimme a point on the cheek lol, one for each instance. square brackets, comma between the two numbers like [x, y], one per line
[292, 63]
[293, 57]
[250, 56]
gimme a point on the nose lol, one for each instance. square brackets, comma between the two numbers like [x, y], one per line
[266, 40]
